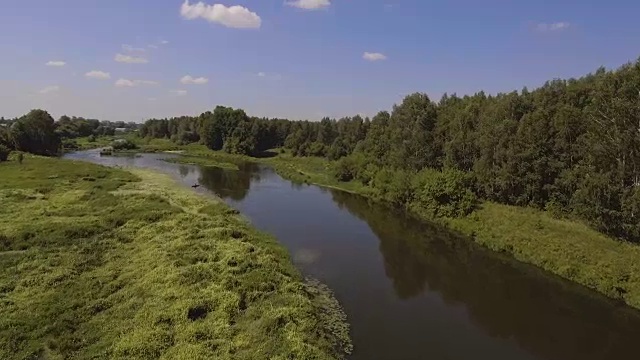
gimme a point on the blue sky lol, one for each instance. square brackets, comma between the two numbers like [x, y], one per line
[292, 59]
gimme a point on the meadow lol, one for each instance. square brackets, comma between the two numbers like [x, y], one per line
[100, 263]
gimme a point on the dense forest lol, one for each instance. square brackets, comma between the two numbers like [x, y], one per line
[571, 147]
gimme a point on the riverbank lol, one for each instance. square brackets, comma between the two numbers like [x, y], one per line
[567, 248]
[107, 263]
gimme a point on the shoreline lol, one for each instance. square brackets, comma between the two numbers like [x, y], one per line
[567, 260]
[597, 262]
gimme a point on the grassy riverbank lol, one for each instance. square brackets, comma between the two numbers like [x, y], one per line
[105, 263]
[567, 248]
[564, 247]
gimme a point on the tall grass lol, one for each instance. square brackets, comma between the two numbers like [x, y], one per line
[105, 263]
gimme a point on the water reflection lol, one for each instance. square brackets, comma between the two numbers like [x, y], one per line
[229, 184]
[549, 317]
[184, 170]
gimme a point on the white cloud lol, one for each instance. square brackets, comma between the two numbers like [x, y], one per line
[270, 76]
[374, 56]
[49, 89]
[130, 59]
[179, 92]
[132, 83]
[189, 80]
[56, 63]
[97, 74]
[309, 4]
[238, 17]
[151, 46]
[558, 26]
[164, 42]
[130, 48]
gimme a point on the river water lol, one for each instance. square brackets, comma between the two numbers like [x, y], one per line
[413, 290]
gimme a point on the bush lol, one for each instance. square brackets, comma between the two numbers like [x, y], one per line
[4, 152]
[394, 186]
[91, 138]
[444, 194]
[345, 169]
[123, 144]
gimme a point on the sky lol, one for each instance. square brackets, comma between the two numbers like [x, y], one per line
[300, 59]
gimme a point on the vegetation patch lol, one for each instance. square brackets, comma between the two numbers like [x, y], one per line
[131, 265]
[202, 161]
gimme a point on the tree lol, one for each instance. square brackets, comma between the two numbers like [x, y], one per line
[35, 133]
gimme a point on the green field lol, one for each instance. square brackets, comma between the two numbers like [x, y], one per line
[104, 263]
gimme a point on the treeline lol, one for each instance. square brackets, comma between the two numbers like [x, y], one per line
[75, 127]
[233, 131]
[571, 147]
[38, 133]
[228, 129]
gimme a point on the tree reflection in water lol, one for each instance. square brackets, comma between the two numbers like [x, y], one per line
[229, 184]
[543, 313]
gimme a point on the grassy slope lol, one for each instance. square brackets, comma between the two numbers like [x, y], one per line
[104, 263]
[566, 248]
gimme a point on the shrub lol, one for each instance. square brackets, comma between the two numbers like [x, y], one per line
[123, 144]
[317, 149]
[345, 169]
[394, 186]
[444, 194]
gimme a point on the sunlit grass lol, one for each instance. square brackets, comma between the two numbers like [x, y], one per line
[105, 263]
[567, 248]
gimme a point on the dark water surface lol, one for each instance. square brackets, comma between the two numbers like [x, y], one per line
[413, 290]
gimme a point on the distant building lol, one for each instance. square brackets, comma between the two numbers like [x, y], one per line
[121, 129]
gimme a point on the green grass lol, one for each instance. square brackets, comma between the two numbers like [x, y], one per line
[100, 141]
[311, 170]
[101, 263]
[567, 248]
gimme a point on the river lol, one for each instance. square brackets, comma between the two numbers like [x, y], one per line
[413, 290]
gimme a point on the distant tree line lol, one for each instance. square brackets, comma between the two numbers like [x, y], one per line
[571, 147]
[38, 133]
